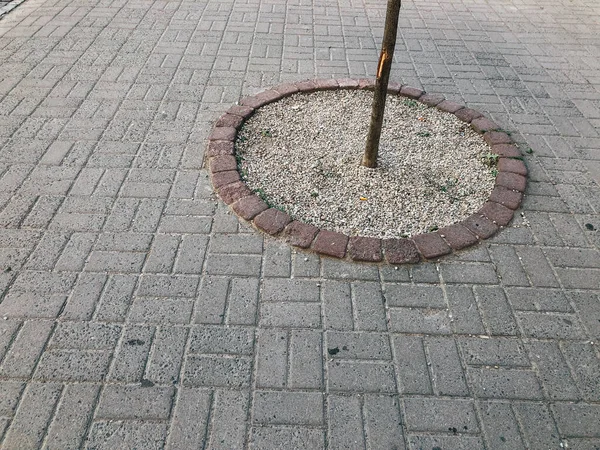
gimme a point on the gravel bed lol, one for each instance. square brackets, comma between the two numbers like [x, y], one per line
[302, 154]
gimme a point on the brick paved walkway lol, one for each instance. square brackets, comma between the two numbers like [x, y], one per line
[137, 312]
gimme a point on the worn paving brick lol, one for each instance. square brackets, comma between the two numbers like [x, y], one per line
[345, 422]
[538, 299]
[466, 318]
[22, 356]
[505, 383]
[446, 369]
[414, 296]
[130, 358]
[550, 326]
[134, 402]
[495, 351]
[69, 424]
[28, 427]
[495, 310]
[164, 363]
[281, 437]
[117, 433]
[216, 371]
[368, 307]
[499, 425]
[583, 357]
[360, 376]
[538, 427]
[285, 407]
[190, 418]
[440, 414]
[553, 370]
[289, 290]
[417, 320]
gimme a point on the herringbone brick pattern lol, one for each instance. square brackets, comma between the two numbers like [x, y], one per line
[136, 311]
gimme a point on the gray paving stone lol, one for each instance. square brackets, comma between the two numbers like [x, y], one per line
[368, 307]
[134, 402]
[305, 360]
[219, 340]
[345, 422]
[509, 268]
[500, 426]
[73, 365]
[165, 360]
[588, 306]
[229, 419]
[337, 305]
[505, 383]
[306, 265]
[22, 356]
[417, 320]
[190, 418]
[9, 398]
[69, 424]
[211, 300]
[360, 376]
[479, 273]
[494, 352]
[237, 243]
[131, 356]
[32, 306]
[116, 298]
[116, 433]
[577, 420]
[538, 299]
[243, 301]
[417, 442]
[446, 369]
[440, 415]
[496, 311]
[383, 424]
[28, 427]
[550, 326]
[425, 273]
[296, 315]
[285, 407]
[408, 295]
[240, 265]
[537, 268]
[538, 428]
[280, 438]
[359, 345]
[336, 269]
[82, 301]
[272, 359]
[216, 371]
[289, 290]
[585, 364]
[168, 286]
[465, 315]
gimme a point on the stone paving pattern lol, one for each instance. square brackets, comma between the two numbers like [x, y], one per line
[137, 311]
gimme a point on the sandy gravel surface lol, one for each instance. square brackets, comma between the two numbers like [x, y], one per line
[303, 154]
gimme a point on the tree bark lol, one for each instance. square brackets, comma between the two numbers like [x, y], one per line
[383, 76]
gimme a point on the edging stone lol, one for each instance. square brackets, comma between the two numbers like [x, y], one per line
[496, 213]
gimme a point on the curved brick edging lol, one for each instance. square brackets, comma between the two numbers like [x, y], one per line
[496, 213]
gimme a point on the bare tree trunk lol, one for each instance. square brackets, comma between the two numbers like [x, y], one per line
[383, 76]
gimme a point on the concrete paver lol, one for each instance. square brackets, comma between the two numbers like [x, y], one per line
[137, 311]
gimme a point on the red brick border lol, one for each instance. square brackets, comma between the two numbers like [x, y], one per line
[495, 214]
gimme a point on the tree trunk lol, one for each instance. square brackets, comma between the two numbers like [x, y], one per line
[383, 76]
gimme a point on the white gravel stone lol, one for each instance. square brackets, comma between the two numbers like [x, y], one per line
[302, 154]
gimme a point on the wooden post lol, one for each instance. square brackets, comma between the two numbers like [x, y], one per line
[383, 76]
